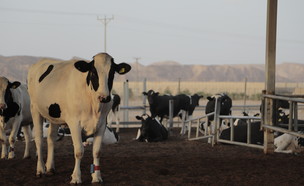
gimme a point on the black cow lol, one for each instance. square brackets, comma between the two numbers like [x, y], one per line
[183, 106]
[151, 129]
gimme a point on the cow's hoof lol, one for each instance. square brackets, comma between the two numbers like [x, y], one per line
[97, 179]
[27, 157]
[76, 181]
[50, 172]
[39, 175]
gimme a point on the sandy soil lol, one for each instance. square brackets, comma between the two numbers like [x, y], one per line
[173, 162]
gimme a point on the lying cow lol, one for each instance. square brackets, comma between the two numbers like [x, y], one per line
[151, 129]
[77, 93]
[287, 143]
[14, 113]
[109, 137]
[114, 113]
[240, 133]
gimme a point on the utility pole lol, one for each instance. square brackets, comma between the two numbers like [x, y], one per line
[137, 82]
[105, 22]
[136, 62]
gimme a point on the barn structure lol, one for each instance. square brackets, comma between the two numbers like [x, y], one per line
[270, 98]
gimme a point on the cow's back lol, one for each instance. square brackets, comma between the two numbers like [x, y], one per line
[52, 83]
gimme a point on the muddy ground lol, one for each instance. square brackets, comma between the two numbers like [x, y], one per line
[174, 162]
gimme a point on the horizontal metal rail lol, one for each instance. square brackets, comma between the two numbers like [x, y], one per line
[283, 130]
[299, 100]
[241, 144]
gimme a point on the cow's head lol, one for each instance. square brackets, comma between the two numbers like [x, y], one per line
[100, 74]
[195, 99]
[224, 99]
[8, 108]
[151, 95]
[145, 123]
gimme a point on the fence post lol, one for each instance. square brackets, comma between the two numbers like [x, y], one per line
[291, 103]
[171, 104]
[216, 120]
[144, 97]
[126, 101]
[295, 118]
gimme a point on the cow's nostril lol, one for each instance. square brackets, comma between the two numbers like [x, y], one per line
[104, 99]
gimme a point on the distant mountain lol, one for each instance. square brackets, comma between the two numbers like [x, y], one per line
[16, 67]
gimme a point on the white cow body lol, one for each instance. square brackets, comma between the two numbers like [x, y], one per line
[286, 143]
[76, 93]
[19, 115]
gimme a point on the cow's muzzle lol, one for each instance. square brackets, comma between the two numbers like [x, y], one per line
[104, 100]
[3, 106]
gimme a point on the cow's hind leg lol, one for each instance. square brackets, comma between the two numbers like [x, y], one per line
[27, 136]
[37, 120]
[50, 165]
[183, 128]
[78, 151]
[96, 177]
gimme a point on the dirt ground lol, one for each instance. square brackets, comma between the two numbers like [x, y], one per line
[176, 161]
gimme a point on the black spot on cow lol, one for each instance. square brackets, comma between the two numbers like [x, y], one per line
[54, 110]
[92, 76]
[47, 72]
[12, 107]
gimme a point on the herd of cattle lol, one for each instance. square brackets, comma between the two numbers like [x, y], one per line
[74, 98]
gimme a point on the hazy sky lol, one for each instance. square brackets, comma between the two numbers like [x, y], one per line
[187, 31]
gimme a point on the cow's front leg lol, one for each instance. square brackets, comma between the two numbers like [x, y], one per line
[3, 141]
[78, 152]
[12, 139]
[96, 177]
[52, 133]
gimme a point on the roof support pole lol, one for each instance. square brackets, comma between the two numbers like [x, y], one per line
[270, 63]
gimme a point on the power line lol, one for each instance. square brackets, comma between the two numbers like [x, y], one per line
[105, 22]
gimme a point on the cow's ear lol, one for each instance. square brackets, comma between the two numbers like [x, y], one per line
[122, 68]
[156, 93]
[14, 85]
[210, 98]
[138, 117]
[145, 93]
[83, 66]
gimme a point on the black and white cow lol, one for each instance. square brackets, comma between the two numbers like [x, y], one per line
[76, 93]
[287, 143]
[14, 113]
[183, 106]
[114, 113]
[225, 109]
[151, 129]
[226, 104]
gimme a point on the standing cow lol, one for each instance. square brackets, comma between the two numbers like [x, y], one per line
[14, 113]
[184, 104]
[77, 93]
